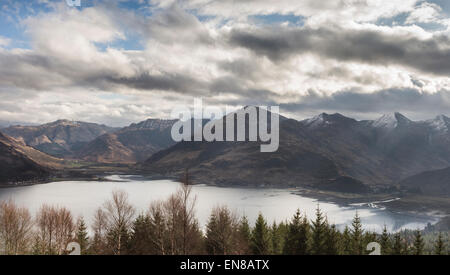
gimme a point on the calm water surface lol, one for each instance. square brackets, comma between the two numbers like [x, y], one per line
[84, 197]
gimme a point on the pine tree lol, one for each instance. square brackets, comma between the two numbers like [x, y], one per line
[397, 247]
[158, 224]
[118, 240]
[332, 241]
[319, 232]
[370, 237]
[98, 246]
[439, 247]
[281, 234]
[347, 247]
[261, 243]
[418, 243]
[211, 242]
[141, 237]
[296, 239]
[357, 236]
[245, 236]
[405, 245]
[221, 232]
[385, 242]
[82, 236]
[277, 236]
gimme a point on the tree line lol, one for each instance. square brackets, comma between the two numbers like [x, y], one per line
[170, 227]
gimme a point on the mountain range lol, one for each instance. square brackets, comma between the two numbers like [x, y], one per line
[21, 163]
[95, 142]
[328, 151]
[61, 138]
[130, 144]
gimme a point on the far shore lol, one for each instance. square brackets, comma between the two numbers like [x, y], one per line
[412, 204]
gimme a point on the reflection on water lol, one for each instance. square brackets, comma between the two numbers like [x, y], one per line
[84, 197]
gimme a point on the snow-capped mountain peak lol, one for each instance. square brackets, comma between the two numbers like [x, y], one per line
[390, 121]
[152, 124]
[440, 123]
[325, 119]
[386, 121]
[401, 119]
[316, 120]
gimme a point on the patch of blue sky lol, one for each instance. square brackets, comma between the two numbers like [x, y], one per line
[143, 7]
[84, 4]
[444, 4]
[205, 18]
[14, 32]
[132, 43]
[276, 19]
[400, 20]
[202, 18]
[432, 26]
[11, 15]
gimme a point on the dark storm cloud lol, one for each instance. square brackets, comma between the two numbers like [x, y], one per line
[366, 46]
[165, 81]
[44, 72]
[190, 86]
[244, 68]
[171, 25]
[234, 85]
[377, 102]
[26, 70]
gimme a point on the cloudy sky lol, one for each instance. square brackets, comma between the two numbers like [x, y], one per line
[118, 62]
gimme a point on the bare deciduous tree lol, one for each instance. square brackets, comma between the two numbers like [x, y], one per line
[188, 219]
[119, 213]
[183, 230]
[172, 214]
[16, 227]
[99, 227]
[55, 228]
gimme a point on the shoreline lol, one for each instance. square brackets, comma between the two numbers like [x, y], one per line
[396, 203]
[405, 204]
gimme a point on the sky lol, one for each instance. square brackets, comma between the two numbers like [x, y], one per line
[118, 62]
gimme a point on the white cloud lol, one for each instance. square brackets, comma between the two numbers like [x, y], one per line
[72, 33]
[73, 70]
[424, 13]
[318, 11]
[4, 41]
